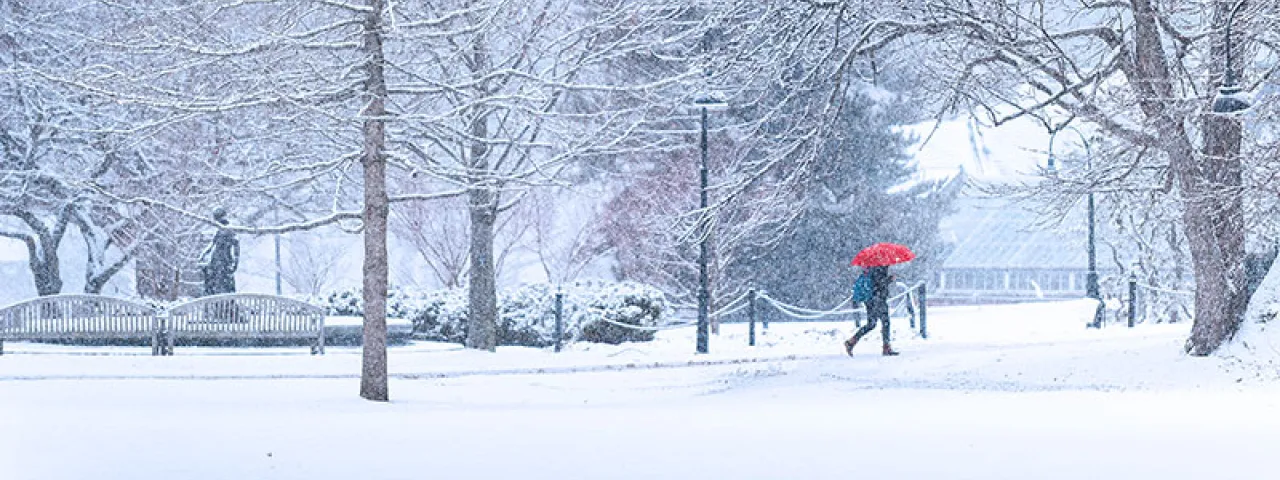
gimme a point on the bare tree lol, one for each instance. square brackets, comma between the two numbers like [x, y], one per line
[437, 232]
[103, 228]
[565, 232]
[507, 95]
[650, 226]
[373, 380]
[311, 264]
[1142, 72]
[55, 139]
[785, 69]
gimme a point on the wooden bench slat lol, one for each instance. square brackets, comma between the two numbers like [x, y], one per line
[222, 316]
[234, 316]
[75, 317]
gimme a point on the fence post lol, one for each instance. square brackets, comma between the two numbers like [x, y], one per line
[924, 310]
[1133, 298]
[911, 310]
[559, 318]
[764, 320]
[751, 317]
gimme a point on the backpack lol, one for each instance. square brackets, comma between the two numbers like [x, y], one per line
[862, 288]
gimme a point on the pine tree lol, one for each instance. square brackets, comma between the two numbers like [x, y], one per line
[852, 196]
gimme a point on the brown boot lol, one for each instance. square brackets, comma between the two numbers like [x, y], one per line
[848, 345]
[888, 351]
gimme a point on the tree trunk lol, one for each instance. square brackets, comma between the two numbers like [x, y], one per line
[1209, 182]
[482, 321]
[45, 269]
[482, 331]
[95, 281]
[373, 375]
[97, 271]
[1214, 217]
[42, 249]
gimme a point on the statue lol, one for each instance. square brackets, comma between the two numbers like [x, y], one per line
[219, 260]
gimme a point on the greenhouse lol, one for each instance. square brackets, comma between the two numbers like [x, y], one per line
[998, 251]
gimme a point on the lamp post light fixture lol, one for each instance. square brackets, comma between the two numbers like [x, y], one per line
[705, 104]
[1231, 97]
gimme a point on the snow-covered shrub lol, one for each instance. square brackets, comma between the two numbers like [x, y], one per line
[436, 314]
[342, 303]
[526, 314]
[350, 302]
[628, 303]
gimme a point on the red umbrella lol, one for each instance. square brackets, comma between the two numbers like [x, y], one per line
[882, 255]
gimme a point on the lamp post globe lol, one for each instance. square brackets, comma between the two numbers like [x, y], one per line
[1231, 98]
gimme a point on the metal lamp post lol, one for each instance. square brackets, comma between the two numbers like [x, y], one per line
[705, 103]
[1091, 288]
[1229, 98]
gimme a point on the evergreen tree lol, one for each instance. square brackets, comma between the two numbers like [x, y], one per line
[853, 195]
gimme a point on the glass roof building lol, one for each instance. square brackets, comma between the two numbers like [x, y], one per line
[999, 251]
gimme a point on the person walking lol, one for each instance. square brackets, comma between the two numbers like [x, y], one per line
[877, 308]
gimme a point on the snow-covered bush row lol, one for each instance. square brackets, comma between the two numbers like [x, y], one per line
[526, 314]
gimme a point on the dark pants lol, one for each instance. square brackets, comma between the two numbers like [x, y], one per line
[876, 311]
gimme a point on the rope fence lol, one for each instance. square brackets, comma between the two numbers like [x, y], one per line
[732, 307]
[659, 328]
[802, 313]
[1171, 291]
[1135, 287]
[911, 299]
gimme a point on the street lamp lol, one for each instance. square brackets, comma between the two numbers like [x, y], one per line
[1091, 288]
[1091, 277]
[1230, 97]
[705, 103]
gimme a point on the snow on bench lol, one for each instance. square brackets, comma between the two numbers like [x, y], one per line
[78, 317]
[244, 316]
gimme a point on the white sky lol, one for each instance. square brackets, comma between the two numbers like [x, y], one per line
[12, 250]
[1009, 152]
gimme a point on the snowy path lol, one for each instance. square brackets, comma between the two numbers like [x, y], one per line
[992, 397]
[711, 423]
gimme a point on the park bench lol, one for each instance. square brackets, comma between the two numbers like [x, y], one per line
[244, 316]
[79, 317]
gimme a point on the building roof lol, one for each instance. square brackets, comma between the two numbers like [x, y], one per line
[996, 233]
[987, 232]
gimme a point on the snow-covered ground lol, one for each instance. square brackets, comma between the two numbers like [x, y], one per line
[1017, 392]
